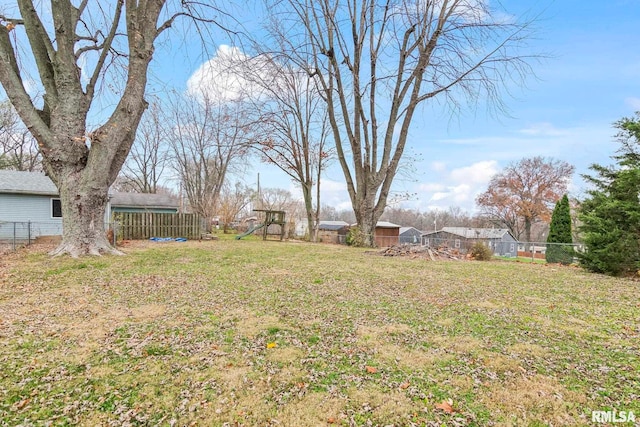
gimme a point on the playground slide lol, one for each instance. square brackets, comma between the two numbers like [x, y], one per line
[249, 231]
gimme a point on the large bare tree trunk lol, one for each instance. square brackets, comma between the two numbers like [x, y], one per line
[82, 163]
[308, 207]
[83, 218]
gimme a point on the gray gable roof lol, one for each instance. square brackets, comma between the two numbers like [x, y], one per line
[383, 224]
[144, 200]
[475, 233]
[412, 230]
[386, 224]
[22, 182]
[332, 225]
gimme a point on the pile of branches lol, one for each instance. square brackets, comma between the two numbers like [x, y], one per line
[426, 252]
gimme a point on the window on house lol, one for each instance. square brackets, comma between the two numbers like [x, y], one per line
[457, 244]
[513, 247]
[56, 208]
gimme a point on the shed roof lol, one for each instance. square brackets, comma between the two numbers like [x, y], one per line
[383, 224]
[23, 182]
[332, 225]
[474, 233]
[144, 200]
[406, 229]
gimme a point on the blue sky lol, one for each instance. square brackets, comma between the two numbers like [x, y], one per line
[590, 79]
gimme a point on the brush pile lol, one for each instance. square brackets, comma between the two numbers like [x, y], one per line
[414, 251]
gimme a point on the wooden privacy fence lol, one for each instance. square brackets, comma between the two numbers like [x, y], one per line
[144, 225]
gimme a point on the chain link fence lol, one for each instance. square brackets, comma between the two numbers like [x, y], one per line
[16, 235]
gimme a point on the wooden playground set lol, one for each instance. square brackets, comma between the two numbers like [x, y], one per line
[271, 218]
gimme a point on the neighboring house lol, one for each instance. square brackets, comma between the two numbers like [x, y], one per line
[332, 231]
[28, 198]
[410, 235]
[500, 240]
[30, 202]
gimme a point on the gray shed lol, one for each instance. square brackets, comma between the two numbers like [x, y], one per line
[410, 235]
[332, 231]
[500, 240]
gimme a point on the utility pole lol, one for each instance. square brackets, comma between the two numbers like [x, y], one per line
[259, 195]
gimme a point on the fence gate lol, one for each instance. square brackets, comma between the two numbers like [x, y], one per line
[144, 225]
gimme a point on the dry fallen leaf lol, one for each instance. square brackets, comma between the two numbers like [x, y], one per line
[404, 385]
[22, 403]
[331, 420]
[371, 369]
[446, 406]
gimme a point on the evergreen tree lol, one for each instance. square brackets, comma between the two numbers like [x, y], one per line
[560, 232]
[611, 213]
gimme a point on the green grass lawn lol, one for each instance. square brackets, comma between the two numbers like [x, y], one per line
[293, 334]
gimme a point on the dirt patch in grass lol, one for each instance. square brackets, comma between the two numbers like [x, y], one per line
[485, 304]
[318, 409]
[458, 344]
[527, 349]
[408, 359]
[388, 406]
[285, 355]
[376, 333]
[500, 364]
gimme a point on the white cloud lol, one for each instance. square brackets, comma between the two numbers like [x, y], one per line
[439, 196]
[438, 166]
[220, 78]
[544, 129]
[334, 193]
[477, 173]
[431, 187]
[457, 187]
[231, 75]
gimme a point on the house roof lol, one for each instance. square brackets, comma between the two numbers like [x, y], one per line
[405, 229]
[474, 233]
[144, 200]
[383, 224]
[22, 182]
[332, 225]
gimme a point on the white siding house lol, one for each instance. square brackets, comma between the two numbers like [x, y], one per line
[28, 197]
[30, 206]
